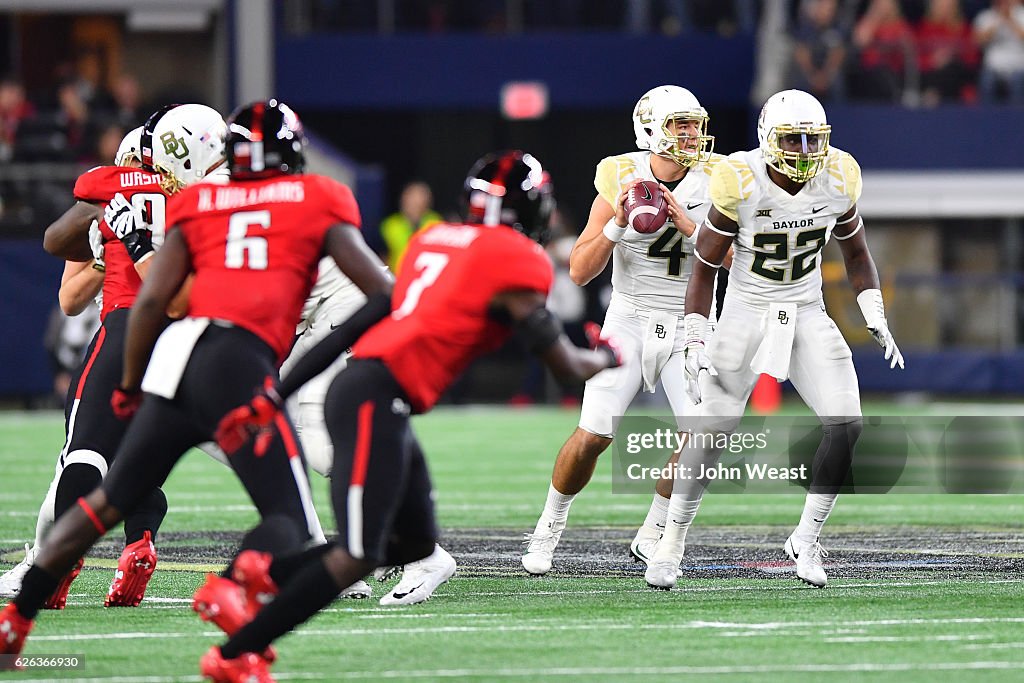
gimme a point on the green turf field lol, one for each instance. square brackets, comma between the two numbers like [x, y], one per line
[922, 587]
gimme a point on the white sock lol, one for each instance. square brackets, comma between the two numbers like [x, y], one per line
[556, 509]
[817, 507]
[655, 522]
[680, 515]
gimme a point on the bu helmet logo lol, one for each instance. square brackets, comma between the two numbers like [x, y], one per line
[173, 146]
[659, 330]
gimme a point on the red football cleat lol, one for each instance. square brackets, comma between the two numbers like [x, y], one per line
[222, 602]
[134, 570]
[248, 668]
[60, 595]
[14, 629]
[252, 572]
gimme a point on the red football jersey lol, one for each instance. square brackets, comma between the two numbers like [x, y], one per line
[98, 186]
[440, 320]
[255, 246]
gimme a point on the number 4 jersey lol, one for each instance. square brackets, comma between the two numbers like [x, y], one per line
[98, 186]
[441, 315]
[778, 249]
[650, 271]
[255, 246]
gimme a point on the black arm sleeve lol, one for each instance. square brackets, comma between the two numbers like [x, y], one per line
[318, 358]
[539, 330]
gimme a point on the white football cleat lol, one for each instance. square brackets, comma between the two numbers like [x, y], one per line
[661, 574]
[10, 582]
[645, 545]
[357, 591]
[540, 546]
[808, 558]
[421, 578]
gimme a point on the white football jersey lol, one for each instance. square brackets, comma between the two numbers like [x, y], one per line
[651, 271]
[777, 253]
[330, 281]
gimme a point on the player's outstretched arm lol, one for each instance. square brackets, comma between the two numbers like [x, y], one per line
[863, 277]
[79, 285]
[345, 244]
[68, 236]
[713, 249]
[541, 332]
[168, 270]
[605, 227]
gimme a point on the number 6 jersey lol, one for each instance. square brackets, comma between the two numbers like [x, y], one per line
[650, 271]
[778, 249]
[255, 246]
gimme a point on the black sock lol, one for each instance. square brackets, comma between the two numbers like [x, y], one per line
[76, 480]
[36, 589]
[146, 517]
[311, 589]
[285, 567]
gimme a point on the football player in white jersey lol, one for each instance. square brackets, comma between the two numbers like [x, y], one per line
[649, 277]
[777, 206]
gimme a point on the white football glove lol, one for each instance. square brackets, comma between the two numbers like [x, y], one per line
[696, 359]
[96, 244]
[871, 306]
[122, 217]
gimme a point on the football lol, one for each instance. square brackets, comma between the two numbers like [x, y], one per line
[646, 208]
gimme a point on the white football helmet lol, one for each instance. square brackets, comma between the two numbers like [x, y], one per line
[183, 143]
[130, 148]
[653, 115]
[794, 113]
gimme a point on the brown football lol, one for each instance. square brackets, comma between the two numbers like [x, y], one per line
[646, 208]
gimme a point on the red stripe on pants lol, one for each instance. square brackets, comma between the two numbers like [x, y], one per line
[88, 366]
[290, 446]
[364, 436]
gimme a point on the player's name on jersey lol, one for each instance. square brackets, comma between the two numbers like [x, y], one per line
[137, 178]
[458, 237]
[223, 198]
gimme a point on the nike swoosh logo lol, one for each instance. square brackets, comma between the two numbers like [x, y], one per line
[647, 193]
[334, 327]
[399, 596]
[820, 208]
[640, 555]
[691, 207]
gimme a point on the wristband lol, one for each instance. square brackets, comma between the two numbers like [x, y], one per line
[696, 326]
[871, 307]
[613, 231]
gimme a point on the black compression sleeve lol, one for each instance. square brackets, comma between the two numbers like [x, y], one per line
[318, 358]
[539, 330]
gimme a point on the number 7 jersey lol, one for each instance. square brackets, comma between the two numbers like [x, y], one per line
[777, 252]
[255, 248]
[441, 315]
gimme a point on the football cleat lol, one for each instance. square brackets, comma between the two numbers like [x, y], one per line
[247, 668]
[251, 571]
[14, 629]
[222, 602]
[644, 545]
[661, 574]
[808, 558]
[421, 578]
[134, 570]
[10, 581]
[60, 595]
[387, 572]
[540, 547]
[360, 590]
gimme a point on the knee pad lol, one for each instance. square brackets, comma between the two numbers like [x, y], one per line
[76, 480]
[316, 442]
